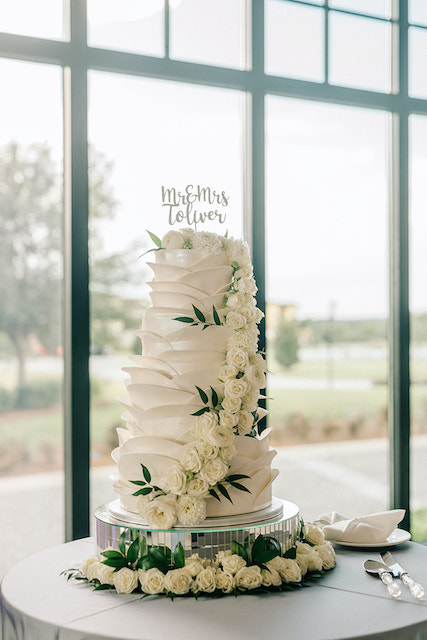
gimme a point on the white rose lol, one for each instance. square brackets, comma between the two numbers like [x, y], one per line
[246, 422]
[153, 581]
[248, 577]
[238, 251]
[205, 580]
[198, 487]
[226, 372]
[258, 315]
[173, 240]
[248, 311]
[125, 580]
[244, 340]
[270, 577]
[213, 471]
[255, 376]
[238, 358]
[176, 479]
[236, 388]
[223, 554]
[245, 271]
[220, 436]
[191, 510]
[232, 404]
[250, 400]
[228, 453]
[235, 320]
[207, 450]
[93, 570]
[209, 242]
[190, 460]
[227, 419]
[224, 581]
[160, 513]
[204, 423]
[302, 561]
[314, 560]
[178, 581]
[86, 564]
[327, 555]
[232, 564]
[235, 300]
[287, 568]
[313, 535]
[246, 285]
[106, 574]
[193, 565]
[141, 503]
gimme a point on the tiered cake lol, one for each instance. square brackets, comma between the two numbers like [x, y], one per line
[192, 418]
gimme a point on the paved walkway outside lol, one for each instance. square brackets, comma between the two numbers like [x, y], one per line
[349, 477]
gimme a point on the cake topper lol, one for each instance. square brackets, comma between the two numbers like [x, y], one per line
[195, 205]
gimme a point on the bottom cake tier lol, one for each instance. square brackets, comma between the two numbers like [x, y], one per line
[281, 520]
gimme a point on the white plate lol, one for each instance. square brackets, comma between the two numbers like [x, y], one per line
[397, 537]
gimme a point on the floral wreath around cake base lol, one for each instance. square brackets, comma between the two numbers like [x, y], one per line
[257, 566]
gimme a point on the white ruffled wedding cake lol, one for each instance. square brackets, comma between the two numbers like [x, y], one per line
[192, 448]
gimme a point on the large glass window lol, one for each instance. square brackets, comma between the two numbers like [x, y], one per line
[326, 226]
[31, 367]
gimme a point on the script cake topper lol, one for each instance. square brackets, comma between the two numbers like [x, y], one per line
[195, 204]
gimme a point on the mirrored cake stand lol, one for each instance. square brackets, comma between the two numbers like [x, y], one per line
[281, 520]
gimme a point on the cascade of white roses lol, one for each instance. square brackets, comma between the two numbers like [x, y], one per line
[205, 463]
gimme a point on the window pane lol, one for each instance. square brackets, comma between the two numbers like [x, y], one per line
[31, 367]
[417, 56]
[294, 40]
[379, 8]
[208, 32]
[418, 305]
[128, 25]
[41, 19]
[359, 52]
[327, 303]
[165, 139]
[417, 12]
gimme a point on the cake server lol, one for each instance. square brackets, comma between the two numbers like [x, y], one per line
[384, 572]
[416, 590]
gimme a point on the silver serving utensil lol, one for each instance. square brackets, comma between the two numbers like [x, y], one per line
[416, 590]
[384, 572]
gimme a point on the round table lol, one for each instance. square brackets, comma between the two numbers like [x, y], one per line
[39, 604]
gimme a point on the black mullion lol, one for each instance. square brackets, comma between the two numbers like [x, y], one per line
[77, 396]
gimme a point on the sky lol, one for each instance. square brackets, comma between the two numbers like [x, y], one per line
[327, 166]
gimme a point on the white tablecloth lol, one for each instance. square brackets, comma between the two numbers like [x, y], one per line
[39, 604]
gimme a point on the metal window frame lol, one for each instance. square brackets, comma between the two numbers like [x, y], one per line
[76, 59]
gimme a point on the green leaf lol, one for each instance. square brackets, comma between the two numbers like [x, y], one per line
[117, 563]
[111, 553]
[200, 411]
[133, 551]
[291, 553]
[140, 483]
[186, 319]
[236, 476]
[238, 548]
[216, 316]
[146, 473]
[159, 559]
[214, 494]
[143, 492]
[224, 492]
[155, 239]
[199, 314]
[143, 546]
[102, 587]
[122, 543]
[214, 397]
[145, 563]
[265, 548]
[239, 486]
[179, 556]
[203, 395]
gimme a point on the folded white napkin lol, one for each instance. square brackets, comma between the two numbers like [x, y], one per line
[373, 528]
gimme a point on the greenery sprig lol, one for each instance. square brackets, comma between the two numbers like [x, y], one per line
[146, 487]
[213, 404]
[233, 481]
[201, 318]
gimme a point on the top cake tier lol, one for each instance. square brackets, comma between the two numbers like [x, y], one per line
[191, 448]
